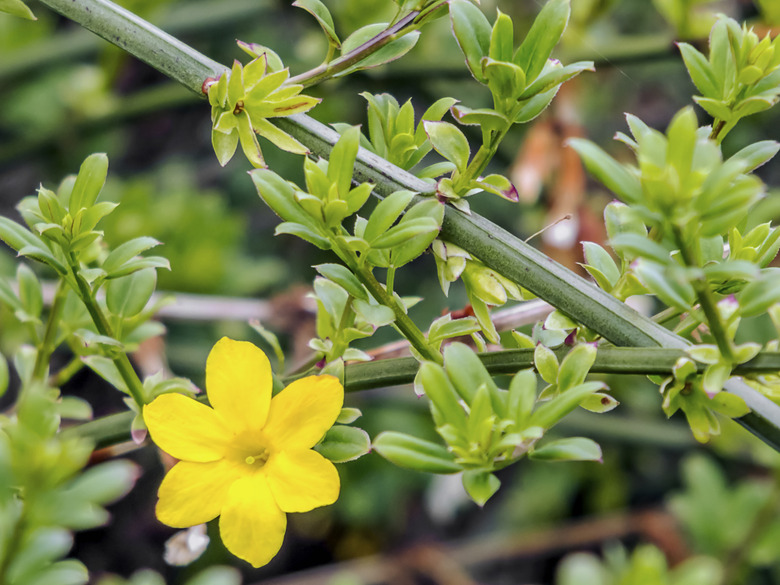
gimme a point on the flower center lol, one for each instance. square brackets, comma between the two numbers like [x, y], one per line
[259, 458]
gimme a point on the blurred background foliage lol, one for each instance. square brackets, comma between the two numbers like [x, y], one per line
[66, 93]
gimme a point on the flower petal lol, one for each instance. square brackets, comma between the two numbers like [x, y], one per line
[239, 382]
[301, 413]
[301, 480]
[186, 429]
[252, 525]
[194, 493]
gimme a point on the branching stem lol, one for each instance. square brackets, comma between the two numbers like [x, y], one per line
[121, 361]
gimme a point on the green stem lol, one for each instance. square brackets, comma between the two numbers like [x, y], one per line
[402, 320]
[47, 346]
[706, 299]
[358, 377]
[497, 248]
[717, 128]
[66, 373]
[121, 361]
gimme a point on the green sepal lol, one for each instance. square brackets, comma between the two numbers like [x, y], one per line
[480, 485]
[414, 453]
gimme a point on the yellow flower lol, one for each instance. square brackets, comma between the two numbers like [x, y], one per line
[249, 459]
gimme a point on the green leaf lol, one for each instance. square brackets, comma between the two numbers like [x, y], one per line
[449, 142]
[105, 483]
[106, 369]
[127, 296]
[505, 80]
[386, 213]
[699, 70]
[342, 160]
[416, 245]
[599, 402]
[472, 32]
[599, 258]
[374, 315]
[522, 397]
[413, 453]
[16, 8]
[140, 263]
[210, 576]
[342, 276]
[444, 398]
[756, 154]
[342, 443]
[468, 374]
[348, 415]
[615, 177]
[390, 52]
[759, 295]
[545, 33]
[405, 231]
[551, 412]
[555, 76]
[279, 195]
[446, 328]
[576, 365]
[30, 291]
[570, 449]
[38, 549]
[665, 284]
[535, 106]
[89, 182]
[546, 363]
[320, 12]
[632, 245]
[480, 485]
[127, 251]
[502, 38]
[486, 118]
[682, 141]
